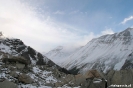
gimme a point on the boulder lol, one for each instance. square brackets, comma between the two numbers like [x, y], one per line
[12, 68]
[14, 74]
[92, 74]
[25, 79]
[49, 84]
[69, 78]
[8, 84]
[121, 77]
[79, 80]
[58, 84]
[20, 66]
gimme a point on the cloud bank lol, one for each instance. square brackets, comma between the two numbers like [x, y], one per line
[20, 20]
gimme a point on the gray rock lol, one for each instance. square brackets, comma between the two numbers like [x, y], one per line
[14, 74]
[35, 84]
[20, 66]
[121, 77]
[12, 68]
[8, 84]
[49, 84]
[25, 79]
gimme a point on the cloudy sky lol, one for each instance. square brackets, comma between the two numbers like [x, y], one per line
[46, 24]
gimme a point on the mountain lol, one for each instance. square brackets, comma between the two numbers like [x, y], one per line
[57, 54]
[107, 52]
[60, 54]
[23, 67]
[16, 47]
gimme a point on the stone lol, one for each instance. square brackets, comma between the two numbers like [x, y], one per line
[8, 84]
[35, 84]
[25, 79]
[14, 59]
[20, 66]
[14, 74]
[79, 80]
[92, 74]
[121, 77]
[58, 84]
[12, 68]
[49, 84]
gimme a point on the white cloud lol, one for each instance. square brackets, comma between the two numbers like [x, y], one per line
[20, 20]
[74, 12]
[107, 31]
[127, 19]
[59, 12]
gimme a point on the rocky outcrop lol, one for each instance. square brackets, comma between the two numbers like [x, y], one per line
[44, 75]
[16, 47]
[92, 79]
[15, 60]
[8, 84]
[25, 79]
[14, 74]
[121, 77]
[91, 74]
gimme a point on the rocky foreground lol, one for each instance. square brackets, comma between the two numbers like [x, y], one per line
[15, 72]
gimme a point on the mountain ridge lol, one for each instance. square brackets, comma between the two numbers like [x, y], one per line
[16, 47]
[60, 53]
[103, 53]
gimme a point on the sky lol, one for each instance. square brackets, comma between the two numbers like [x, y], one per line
[46, 24]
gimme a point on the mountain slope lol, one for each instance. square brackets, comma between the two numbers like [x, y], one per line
[16, 47]
[60, 54]
[57, 54]
[104, 53]
[23, 67]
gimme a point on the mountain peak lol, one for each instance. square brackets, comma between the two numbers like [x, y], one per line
[58, 48]
[127, 32]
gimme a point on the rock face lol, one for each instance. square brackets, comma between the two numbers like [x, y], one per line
[121, 77]
[15, 60]
[25, 79]
[107, 52]
[8, 84]
[16, 47]
[92, 74]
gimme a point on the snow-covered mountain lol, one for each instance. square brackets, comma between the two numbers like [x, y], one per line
[16, 47]
[23, 67]
[107, 52]
[60, 54]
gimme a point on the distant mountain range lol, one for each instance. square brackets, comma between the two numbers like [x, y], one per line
[114, 51]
